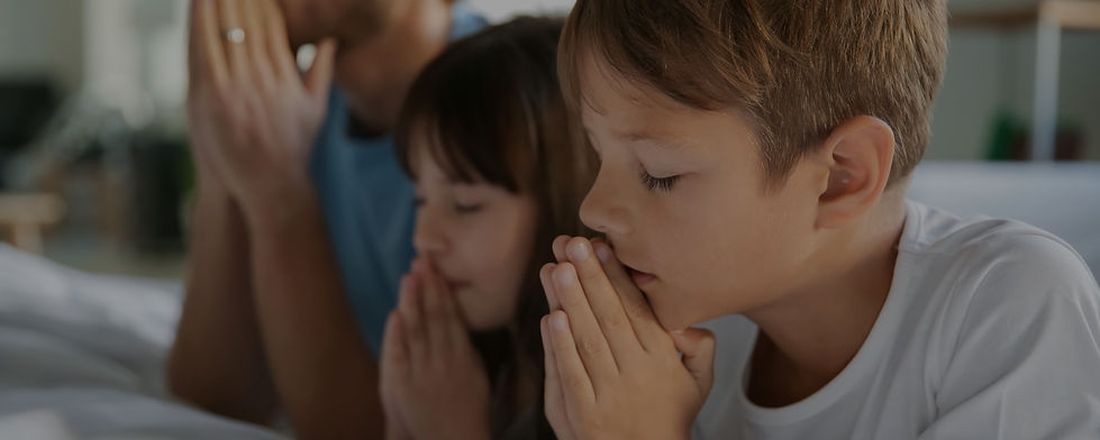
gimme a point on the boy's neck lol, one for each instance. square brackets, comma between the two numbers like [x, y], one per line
[809, 337]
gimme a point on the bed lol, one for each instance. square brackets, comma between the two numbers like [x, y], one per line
[82, 355]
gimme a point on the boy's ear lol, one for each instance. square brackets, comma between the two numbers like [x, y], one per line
[860, 155]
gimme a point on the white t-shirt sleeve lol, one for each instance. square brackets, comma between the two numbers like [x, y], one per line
[1024, 362]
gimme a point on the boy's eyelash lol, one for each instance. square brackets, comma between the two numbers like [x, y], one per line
[663, 184]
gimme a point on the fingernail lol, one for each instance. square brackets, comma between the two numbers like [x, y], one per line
[578, 250]
[546, 274]
[565, 275]
[558, 321]
[603, 252]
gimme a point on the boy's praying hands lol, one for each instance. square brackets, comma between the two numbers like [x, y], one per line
[612, 370]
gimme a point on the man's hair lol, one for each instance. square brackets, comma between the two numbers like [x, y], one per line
[797, 69]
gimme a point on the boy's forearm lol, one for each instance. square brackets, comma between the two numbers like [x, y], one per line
[217, 361]
[324, 374]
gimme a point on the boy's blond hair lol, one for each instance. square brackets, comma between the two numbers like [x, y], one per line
[796, 68]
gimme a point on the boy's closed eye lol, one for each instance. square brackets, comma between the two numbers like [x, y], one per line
[659, 184]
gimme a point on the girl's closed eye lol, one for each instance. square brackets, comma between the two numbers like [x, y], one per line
[459, 204]
[467, 199]
[468, 208]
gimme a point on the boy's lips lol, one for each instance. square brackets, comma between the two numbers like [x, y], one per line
[641, 279]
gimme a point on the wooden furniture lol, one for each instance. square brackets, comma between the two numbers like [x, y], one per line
[1048, 18]
[23, 218]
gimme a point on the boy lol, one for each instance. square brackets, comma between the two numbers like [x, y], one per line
[755, 158]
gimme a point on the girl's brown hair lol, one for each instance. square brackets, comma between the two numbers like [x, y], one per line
[490, 110]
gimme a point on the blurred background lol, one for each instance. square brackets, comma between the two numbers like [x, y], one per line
[94, 169]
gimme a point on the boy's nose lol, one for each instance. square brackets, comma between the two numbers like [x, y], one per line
[602, 209]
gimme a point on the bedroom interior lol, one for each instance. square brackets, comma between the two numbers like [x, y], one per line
[96, 180]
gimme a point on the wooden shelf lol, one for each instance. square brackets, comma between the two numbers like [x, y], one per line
[1067, 14]
[1048, 19]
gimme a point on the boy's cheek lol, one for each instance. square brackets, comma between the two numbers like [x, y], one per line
[698, 294]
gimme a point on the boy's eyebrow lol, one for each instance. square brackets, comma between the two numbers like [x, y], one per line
[644, 137]
[667, 142]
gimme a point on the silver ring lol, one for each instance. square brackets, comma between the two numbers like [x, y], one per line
[235, 35]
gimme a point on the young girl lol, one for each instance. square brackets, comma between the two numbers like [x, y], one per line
[500, 169]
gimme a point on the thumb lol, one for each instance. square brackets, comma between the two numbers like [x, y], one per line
[697, 347]
[319, 76]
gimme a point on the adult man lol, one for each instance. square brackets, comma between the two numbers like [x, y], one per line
[302, 221]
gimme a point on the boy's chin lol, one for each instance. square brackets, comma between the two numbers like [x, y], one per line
[673, 318]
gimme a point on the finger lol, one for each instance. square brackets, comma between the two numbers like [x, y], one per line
[236, 53]
[320, 74]
[394, 353]
[553, 400]
[411, 320]
[208, 55]
[435, 322]
[450, 327]
[697, 346]
[645, 324]
[195, 51]
[605, 302]
[559, 248]
[456, 326]
[585, 330]
[546, 276]
[576, 385]
[278, 40]
[253, 20]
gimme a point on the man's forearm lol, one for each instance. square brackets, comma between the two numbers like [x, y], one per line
[217, 361]
[325, 376]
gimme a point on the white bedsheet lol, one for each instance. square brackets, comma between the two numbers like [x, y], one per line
[86, 352]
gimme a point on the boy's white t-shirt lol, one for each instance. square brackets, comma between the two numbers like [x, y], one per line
[991, 330]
